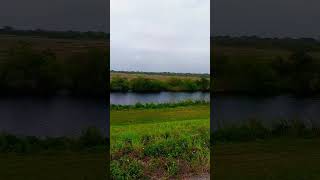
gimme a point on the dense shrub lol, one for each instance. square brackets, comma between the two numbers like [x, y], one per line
[141, 84]
[255, 130]
[144, 84]
[157, 106]
[297, 73]
[119, 84]
[90, 139]
[25, 70]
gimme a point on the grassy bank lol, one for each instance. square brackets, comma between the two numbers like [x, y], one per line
[287, 150]
[156, 82]
[272, 159]
[166, 142]
[26, 157]
[61, 165]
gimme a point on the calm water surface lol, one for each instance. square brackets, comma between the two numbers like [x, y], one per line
[235, 110]
[59, 116]
[162, 97]
[54, 116]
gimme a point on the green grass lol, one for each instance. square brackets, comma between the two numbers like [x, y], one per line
[272, 159]
[137, 116]
[166, 142]
[53, 166]
[35, 158]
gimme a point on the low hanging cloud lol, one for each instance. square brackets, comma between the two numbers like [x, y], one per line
[160, 35]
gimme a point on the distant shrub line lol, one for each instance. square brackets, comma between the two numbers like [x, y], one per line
[157, 105]
[24, 70]
[164, 73]
[255, 130]
[144, 84]
[264, 42]
[90, 140]
[7, 30]
[296, 74]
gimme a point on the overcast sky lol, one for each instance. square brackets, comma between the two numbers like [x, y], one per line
[81, 15]
[160, 35]
[275, 18]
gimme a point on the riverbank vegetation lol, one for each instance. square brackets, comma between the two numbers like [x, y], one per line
[90, 139]
[284, 150]
[34, 64]
[30, 157]
[256, 65]
[156, 82]
[166, 142]
[186, 103]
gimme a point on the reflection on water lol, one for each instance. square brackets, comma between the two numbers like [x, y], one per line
[161, 97]
[54, 116]
[236, 110]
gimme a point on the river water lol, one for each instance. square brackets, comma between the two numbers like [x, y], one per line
[63, 115]
[235, 110]
[161, 97]
[54, 116]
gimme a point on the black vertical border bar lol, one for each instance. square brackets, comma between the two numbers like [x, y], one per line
[211, 90]
[108, 175]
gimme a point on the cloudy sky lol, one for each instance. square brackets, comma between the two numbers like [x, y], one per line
[80, 15]
[160, 35]
[272, 18]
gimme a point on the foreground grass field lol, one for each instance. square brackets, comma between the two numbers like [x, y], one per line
[273, 159]
[154, 143]
[53, 166]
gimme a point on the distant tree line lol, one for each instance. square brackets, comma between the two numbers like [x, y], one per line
[298, 74]
[164, 73]
[260, 42]
[7, 30]
[144, 84]
[24, 70]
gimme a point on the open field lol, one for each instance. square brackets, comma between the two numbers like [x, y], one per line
[166, 142]
[273, 159]
[53, 158]
[61, 47]
[54, 166]
[287, 150]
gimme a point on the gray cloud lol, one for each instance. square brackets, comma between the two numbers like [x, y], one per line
[294, 18]
[83, 15]
[166, 35]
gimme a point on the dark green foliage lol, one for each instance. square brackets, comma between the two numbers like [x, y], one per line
[126, 168]
[259, 42]
[157, 106]
[28, 71]
[89, 140]
[85, 72]
[119, 84]
[91, 137]
[7, 30]
[297, 74]
[143, 84]
[255, 130]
